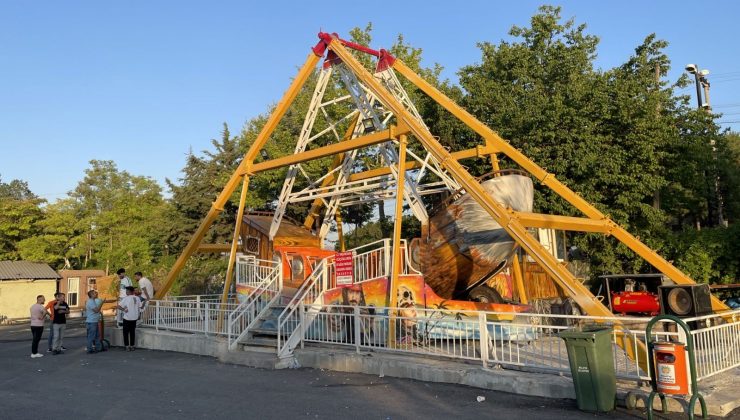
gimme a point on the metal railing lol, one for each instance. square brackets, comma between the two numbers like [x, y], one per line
[529, 342]
[186, 316]
[717, 343]
[265, 293]
[294, 314]
[371, 261]
[251, 271]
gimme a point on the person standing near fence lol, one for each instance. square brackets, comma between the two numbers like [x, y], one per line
[93, 315]
[123, 283]
[129, 306]
[61, 309]
[147, 290]
[38, 314]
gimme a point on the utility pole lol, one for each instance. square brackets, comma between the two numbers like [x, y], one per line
[705, 85]
[700, 78]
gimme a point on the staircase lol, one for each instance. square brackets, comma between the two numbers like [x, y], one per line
[273, 319]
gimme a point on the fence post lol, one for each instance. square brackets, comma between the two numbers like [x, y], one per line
[206, 324]
[302, 321]
[156, 316]
[483, 337]
[228, 328]
[356, 321]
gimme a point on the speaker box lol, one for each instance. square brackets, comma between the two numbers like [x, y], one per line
[685, 300]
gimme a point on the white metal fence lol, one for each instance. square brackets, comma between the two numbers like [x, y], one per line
[187, 316]
[717, 344]
[265, 293]
[530, 341]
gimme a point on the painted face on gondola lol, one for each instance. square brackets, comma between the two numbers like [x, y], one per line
[354, 297]
[405, 297]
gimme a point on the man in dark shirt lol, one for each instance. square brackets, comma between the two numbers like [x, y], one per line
[61, 309]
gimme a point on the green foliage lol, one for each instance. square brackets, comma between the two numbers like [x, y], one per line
[708, 255]
[618, 137]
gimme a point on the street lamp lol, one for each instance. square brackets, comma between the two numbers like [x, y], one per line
[701, 81]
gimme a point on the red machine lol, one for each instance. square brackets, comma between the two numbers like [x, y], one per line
[635, 303]
[635, 294]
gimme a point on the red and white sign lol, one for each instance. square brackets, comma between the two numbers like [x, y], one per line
[344, 268]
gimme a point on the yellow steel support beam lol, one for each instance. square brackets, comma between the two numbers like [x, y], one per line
[519, 279]
[218, 206]
[340, 232]
[549, 221]
[397, 260]
[235, 240]
[580, 294]
[330, 150]
[548, 179]
[476, 191]
[479, 151]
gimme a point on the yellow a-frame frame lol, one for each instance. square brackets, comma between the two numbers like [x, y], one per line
[515, 223]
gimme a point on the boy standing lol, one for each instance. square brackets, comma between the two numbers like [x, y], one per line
[129, 306]
[61, 309]
[38, 314]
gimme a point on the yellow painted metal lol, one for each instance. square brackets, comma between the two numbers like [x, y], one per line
[463, 154]
[397, 261]
[548, 179]
[329, 150]
[549, 221]
[518, 278]
[476, 191]
[218, 206]
[577, 291]
[340, 232]
[313, 212]
[213, 248]
[235, 240]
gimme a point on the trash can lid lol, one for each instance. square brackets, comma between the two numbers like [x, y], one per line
[586, 332]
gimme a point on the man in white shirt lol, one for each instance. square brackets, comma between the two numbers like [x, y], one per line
[147, 289]
[123, 283]
[129, 307]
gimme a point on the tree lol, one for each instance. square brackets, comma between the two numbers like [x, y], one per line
[53, 244]
[19, 212]
[119, 218]
[618, 137]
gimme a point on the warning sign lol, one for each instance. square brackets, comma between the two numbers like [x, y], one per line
[344, 268]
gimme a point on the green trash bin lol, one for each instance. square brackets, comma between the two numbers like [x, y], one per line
[592, 366]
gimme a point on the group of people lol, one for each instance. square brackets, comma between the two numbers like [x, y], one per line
[130, 305]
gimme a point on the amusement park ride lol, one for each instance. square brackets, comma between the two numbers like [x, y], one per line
[374, 112]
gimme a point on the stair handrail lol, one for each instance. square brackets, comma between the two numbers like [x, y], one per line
[313, 289]
[272, 284]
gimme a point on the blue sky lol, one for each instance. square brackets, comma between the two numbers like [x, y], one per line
[143, 82]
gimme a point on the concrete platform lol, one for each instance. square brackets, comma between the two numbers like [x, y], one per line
[720, 392]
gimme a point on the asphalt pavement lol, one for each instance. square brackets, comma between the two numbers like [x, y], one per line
[148, 384]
